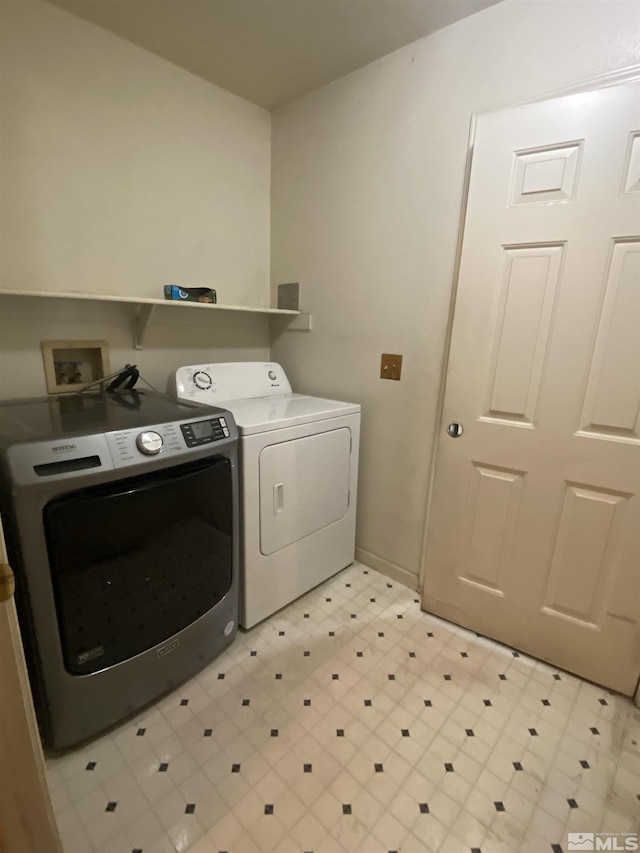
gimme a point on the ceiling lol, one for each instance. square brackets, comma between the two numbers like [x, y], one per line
[272, 51]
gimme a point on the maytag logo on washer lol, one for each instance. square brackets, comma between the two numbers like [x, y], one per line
[168, 648]
[63, 448]
[96, 652]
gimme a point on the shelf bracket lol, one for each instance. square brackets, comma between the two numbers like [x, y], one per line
[143, 315]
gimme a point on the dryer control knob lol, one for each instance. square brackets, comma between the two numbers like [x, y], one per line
[149, 443]
[202, 380]
[272, 375]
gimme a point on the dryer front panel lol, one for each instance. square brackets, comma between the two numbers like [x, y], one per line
[304, 486]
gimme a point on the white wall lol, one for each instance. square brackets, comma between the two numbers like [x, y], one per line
[367, 178]
[121, 173]
[174, 336]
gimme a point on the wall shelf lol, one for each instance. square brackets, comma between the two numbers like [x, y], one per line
[143, 309]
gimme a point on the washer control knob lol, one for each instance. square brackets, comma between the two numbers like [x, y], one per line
[149, 443]
[272, 375]
[202, 380]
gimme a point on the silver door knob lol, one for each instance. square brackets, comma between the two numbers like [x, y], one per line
[455, 430]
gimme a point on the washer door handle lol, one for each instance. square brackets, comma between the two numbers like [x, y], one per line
[278, 498]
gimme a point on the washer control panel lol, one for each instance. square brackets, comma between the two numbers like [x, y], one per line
[132, 446]
[204, 432]
[74, 456]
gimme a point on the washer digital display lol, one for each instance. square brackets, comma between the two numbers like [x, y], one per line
[202, 429]
[203, 432]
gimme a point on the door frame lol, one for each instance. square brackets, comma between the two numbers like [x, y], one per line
[27, 822]
[629, 74]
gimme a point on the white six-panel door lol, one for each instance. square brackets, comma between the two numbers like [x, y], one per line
[534, 532]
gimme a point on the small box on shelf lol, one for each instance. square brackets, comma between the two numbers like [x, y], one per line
[190, 294]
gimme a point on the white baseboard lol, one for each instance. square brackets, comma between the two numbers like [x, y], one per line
[397, 573]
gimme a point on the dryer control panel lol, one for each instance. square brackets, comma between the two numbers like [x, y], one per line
[212, 383]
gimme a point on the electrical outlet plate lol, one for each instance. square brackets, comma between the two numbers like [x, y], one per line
[71, 365]
[390, 366]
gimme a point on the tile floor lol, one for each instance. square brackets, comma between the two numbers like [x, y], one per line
[353, 721]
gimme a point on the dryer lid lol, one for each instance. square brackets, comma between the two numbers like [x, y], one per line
[261, 414]
[257, 393]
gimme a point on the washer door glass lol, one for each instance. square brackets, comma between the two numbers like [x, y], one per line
[136, 561]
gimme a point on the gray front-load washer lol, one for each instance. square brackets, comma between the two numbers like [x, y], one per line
[121, 518]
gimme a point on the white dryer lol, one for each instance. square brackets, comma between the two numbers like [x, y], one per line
[298, 475]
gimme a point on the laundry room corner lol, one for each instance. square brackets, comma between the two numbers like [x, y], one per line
[104, 196]
[367, 192]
